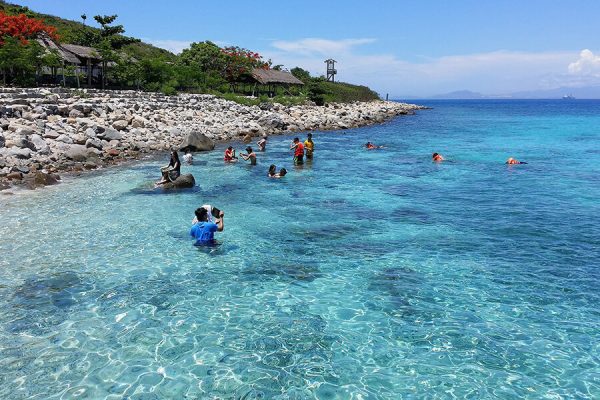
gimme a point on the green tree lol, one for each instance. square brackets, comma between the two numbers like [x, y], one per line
[301, 74]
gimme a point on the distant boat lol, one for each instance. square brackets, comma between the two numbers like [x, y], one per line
[568, 97]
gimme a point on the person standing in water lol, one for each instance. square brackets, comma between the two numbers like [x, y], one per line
[203, 231]
[249, 156]
[230, 155]
[298, 148]
[262, 143]
[188, 158]
[309, 147]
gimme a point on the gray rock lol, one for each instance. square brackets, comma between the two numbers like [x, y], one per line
[74, 113]
[2, 141]
[110, 134]
[79, 153]
[120, 124]
[22, 153]
[40, 144]
[94, 143]
[51, 134]
[196, 141]
[182, 182]
[65, 139]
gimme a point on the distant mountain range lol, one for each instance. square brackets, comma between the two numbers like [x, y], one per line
[588, 92]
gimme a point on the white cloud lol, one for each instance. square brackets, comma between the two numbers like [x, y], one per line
[175, 46]
[587, 65]
[327, 47]
[498, 72]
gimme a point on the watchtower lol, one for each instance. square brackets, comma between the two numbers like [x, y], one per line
[331, 71]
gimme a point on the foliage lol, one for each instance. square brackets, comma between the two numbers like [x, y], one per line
[240, 62]
[23, 28]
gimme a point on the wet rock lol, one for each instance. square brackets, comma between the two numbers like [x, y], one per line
[182, 182]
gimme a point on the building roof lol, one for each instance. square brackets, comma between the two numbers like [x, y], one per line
[267, 76]
[47, 43]
[82, 51]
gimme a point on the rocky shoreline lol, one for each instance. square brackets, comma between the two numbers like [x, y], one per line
[44, 132]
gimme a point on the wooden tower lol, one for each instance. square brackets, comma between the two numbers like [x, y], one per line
[331, 71]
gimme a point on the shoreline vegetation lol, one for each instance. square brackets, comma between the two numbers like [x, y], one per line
[45, 132]
[138, 99]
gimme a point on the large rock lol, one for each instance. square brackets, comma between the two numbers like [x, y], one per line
[196, 141]
[40, 144]
[18, 152]
[110, 134]
[81, 153]
[120, 124]
[182, 182]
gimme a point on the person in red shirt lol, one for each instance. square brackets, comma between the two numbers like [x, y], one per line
[230, 155]
[298, 148]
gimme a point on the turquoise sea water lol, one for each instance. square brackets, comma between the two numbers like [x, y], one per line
[364, 275]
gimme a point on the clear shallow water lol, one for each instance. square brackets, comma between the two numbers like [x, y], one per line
[373, 275]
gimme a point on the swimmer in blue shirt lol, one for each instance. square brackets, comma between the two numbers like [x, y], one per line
[203, 230]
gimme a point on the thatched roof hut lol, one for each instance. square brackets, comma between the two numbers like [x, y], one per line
[271, 76]
[83, 52]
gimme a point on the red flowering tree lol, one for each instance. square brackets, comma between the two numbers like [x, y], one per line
[240, 61]
[23, 28]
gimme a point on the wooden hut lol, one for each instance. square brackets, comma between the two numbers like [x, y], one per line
[85, 60]
[271, 78]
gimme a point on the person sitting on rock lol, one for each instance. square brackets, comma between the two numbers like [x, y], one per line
[188, 158]
[250, 155]
[203, 231]
[262, 143]
[230, 155]
[172, 171]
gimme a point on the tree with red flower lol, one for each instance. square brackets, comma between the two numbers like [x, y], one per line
[23, 28]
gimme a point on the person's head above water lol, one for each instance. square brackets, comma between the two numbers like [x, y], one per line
[272, 169]
[296, 140]
[201, 214]
[310, 135]
[230, 148]
[434, 155]
[249, 149]
[282, 172]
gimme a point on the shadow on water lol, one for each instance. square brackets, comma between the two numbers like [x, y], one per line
[149, 189]
[44, 300]
[410, 216]
[306, 271]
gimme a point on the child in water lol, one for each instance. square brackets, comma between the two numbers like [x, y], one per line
[230, 155]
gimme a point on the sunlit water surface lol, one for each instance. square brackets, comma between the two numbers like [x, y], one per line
[366, 275]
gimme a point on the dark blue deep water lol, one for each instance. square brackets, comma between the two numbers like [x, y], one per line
[364, 275]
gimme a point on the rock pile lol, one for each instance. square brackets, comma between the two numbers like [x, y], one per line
[50, 130]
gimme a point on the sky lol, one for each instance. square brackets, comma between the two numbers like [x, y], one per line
[401, 48]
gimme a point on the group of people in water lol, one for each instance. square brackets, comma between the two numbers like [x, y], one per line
[209, 220]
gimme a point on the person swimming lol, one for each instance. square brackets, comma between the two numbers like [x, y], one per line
[437, 157]
[281, 174]
[272, 171]
[513, 161]
[371, 146]
[262, 143]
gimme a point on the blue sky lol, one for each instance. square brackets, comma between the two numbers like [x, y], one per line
[418, 47]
